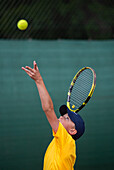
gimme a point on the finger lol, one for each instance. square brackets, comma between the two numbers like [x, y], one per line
[22, 68]
[27, 71]
[35, 65]
[29, 68]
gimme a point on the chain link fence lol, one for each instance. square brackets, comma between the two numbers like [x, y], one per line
[57, 19]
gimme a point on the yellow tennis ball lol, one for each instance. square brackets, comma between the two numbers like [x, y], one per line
[22, 24]
[73, 106]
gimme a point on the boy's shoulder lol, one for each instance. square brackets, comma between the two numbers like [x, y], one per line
[63, 136]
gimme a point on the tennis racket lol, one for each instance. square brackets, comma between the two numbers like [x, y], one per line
[81, 89]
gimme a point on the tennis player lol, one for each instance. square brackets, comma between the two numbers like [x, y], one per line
[61, 152]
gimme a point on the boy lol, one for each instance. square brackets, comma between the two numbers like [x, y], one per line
[61, 153]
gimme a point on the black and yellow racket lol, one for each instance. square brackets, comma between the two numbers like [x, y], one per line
[81, 89]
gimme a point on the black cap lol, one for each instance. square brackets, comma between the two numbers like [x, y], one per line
[76, 118]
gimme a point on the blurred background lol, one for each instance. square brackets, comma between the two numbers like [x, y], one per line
[61, 19]
[62, 37]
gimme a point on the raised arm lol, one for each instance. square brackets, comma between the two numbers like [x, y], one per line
[46, 101]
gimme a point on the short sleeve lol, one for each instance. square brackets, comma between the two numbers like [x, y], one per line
[61, 136]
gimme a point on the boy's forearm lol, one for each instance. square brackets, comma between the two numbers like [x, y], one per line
[47, 105]
[46, 101]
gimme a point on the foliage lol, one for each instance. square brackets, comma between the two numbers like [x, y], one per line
[62, 19]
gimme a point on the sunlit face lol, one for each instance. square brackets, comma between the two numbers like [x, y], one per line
[67, 123]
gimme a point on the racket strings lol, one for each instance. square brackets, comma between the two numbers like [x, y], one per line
[81, 88]
[81, 93]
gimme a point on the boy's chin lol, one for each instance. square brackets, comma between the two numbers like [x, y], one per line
[59, 120]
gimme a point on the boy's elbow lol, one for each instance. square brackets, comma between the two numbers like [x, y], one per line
[47, 109]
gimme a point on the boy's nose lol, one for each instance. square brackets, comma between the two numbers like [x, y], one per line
[60, 117]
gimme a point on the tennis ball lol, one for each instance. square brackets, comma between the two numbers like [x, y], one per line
[22, 24]
[73, 106]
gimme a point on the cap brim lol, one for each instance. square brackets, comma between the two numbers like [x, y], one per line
[63, 110]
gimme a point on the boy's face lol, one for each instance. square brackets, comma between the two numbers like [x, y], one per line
[68, 124]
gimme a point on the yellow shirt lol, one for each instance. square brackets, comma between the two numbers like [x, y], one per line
[61, 153]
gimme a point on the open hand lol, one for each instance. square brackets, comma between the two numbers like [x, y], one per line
[33, 72]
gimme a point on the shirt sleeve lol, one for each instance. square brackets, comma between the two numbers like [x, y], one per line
[61, 136]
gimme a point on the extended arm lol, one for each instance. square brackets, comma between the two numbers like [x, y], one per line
[47, 104]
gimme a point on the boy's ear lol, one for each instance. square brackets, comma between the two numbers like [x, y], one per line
[72, 131]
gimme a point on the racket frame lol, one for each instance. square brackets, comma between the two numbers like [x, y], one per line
[90, 93]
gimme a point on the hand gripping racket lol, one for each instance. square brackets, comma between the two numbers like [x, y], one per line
[81, 89]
